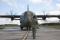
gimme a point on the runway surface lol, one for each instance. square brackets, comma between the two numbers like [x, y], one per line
[46, 34]
[43, 33]
[10, 33]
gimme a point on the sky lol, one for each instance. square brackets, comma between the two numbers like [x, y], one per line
[51, 7]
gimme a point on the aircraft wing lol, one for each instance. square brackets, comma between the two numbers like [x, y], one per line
[10, 16]
[46, 16]
[40, 16]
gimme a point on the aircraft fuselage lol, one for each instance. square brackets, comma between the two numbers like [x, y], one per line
[27, 20]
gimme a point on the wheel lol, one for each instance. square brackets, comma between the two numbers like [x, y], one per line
[27, 28]
[21, 28]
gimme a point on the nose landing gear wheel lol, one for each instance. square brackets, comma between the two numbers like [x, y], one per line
[21, 28]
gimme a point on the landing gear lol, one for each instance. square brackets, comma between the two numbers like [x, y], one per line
[21, 28]
[25, 27]
[29, 28]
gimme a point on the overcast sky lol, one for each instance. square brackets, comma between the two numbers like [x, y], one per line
[51, 7]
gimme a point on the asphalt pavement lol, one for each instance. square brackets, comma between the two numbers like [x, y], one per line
[43, 33]
[11, 33]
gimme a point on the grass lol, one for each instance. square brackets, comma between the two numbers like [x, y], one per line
[2, 27]
[52, 25]
[8, 25]
[57, 26]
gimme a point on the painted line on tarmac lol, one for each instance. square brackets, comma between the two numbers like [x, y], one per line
[25, 36]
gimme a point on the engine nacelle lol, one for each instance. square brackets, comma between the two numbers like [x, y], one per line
[44, 17]
[21, 19]
[59, 17]
[12, 18]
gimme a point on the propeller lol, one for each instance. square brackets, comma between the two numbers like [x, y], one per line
[12, 17]
[44, 17]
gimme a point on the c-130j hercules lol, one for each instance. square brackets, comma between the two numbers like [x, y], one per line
[28, 18]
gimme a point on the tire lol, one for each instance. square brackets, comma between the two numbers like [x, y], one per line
[21, 28]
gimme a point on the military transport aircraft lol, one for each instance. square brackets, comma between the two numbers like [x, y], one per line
[28, 18]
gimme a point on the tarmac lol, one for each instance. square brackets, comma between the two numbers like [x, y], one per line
[11, 33]
[43, 33]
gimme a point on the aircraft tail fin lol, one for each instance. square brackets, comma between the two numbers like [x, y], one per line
[27, 7]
